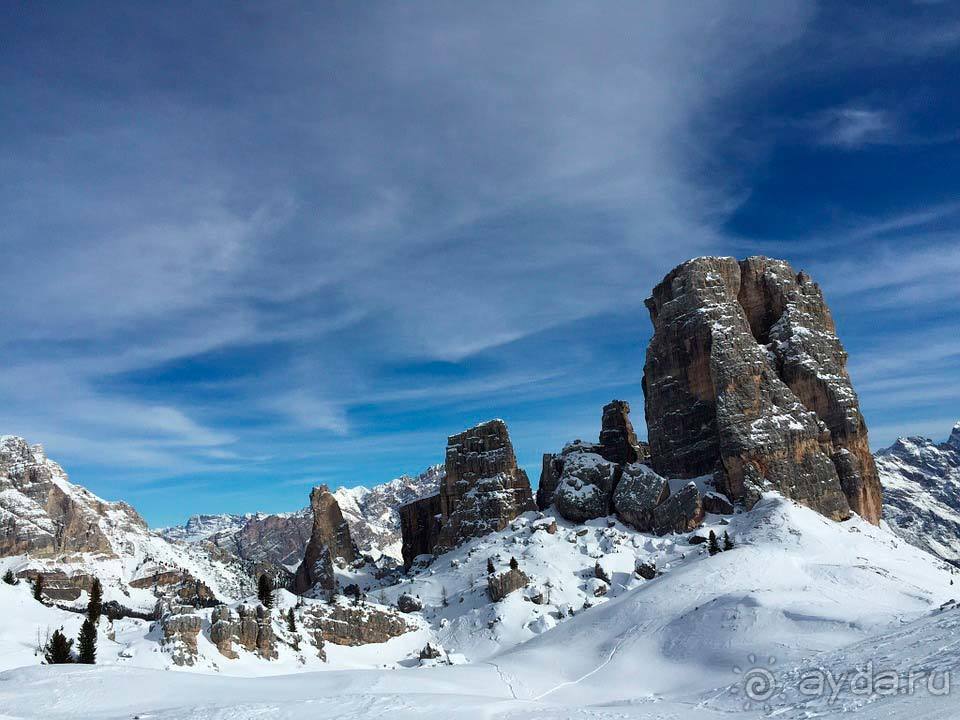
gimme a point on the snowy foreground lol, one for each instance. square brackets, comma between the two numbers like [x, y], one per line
[803, 618]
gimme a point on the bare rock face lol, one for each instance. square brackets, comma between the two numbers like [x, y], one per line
[354, 625]
[921, 487]
[180, 632]
[224, 629]
[43, 515]
[176, 585]
[249, 627]
[481, 491]
[419, 527]
[618, 441]
[586, 486]
[745, 379]
[638, 493]
[330, 542]
[502, 584]
[618, 446]
[680, 512]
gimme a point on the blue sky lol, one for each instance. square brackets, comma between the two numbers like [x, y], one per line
[249, 248]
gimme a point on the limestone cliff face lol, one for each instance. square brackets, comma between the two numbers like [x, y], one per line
[420, 527]
[483, 489]
[43, 515]
[745, 378]
[329, 542]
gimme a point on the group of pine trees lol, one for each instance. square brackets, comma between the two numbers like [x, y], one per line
[59, 648]
[713, 546]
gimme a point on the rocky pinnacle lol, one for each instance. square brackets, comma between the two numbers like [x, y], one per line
[746, 379]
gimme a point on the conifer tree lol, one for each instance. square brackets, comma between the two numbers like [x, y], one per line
[490, 568]
[265, 591]
[514, 565]
[87, 643]
[291, 621]
[8, 578]
[95, 604]
[59, 650]
[714, 546]
[443, 596]
[727, 542]
[38, 588]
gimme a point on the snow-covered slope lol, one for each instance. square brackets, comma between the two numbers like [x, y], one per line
[797, 590]
[921, 482]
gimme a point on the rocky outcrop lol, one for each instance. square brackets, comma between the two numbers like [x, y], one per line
[373, 513]
[586, 481]
[420, 527]
[921, 487]
[745, 378]
[502, 584]
[354, 625]
[330, 543]
[272, 543]
[586, 486]
[483, 489]
[638, 493]
[180, 632]
[618, 446]
[408, 603]
[618, 441]
[176, 585]
[680, 512]
[249, 627]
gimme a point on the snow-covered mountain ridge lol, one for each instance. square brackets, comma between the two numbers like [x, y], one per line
[921, 481]
[280, 538]
[49, 525]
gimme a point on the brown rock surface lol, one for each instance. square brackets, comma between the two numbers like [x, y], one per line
[329, 542]
[745, 378]
[481, 492]
[483, 489]
[618, 441]
[419, 527]
[180, 631]
[43, 515]
[502, 584]
[354, 625]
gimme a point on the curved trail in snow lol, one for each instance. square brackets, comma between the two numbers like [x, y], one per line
[616, 648]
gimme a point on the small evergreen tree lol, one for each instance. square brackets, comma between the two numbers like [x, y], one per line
[714, 546]
[291, 621]
[443, 595]
[59, 650]
[87, 643]
[8, 578]
[95, 604]
[38, 588]
[265, 591]
[490, 568]
[514, 565]
[727, 542]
